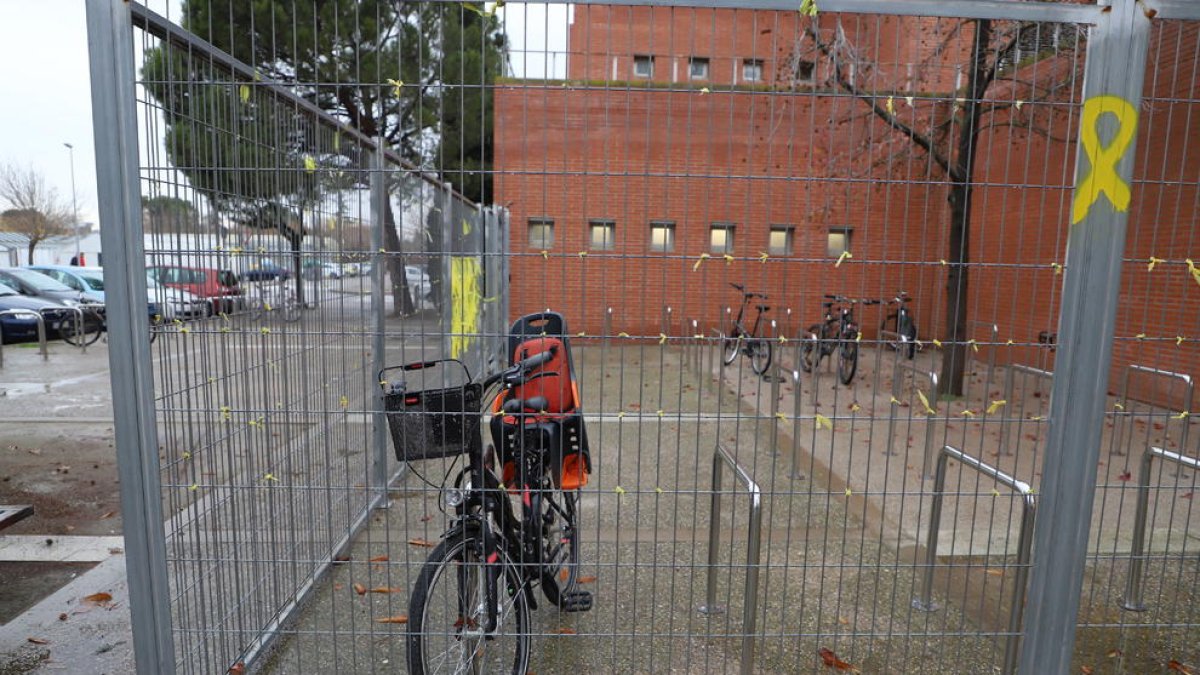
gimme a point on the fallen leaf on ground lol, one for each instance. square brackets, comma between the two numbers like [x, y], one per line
[401, 618]
[108, 515]
[832, 661]
[426, 518]
[1114, 653]
[386, 589]
[360, 589]
[563, 631]
[37, 641]
[995, 573]
[98, 598]
[342, 558]
[1178, 667]
[1086, 670]
[585, 580]
[237, 668]
[379, 558]
[844, 621]
[1125, 476]
[421, 542]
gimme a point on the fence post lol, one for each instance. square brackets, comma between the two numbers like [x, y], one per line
[114, 101]
[1112, 92]
[379, 199]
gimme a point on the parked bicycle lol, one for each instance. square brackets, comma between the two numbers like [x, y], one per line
[84, 325]
[899, 328]
[838, 332]
[469, 610]
[748, 342]
[277, 298]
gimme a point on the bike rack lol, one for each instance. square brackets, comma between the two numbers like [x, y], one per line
[1016, 614]
[1187, 380]
[41, 322]
[1133, 600]
[900, 366]
[780, 375]
[753, 550]
[1010, 373]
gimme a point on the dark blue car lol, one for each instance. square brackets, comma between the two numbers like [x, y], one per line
[21, 324]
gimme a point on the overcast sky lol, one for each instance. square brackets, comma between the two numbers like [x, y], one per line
[45, 95]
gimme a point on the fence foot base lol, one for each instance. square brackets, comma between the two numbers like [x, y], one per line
[710, 609]
[924, 606]
[1133, 606]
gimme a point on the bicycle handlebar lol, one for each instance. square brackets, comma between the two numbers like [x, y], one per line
[518, 372]
[748, 294]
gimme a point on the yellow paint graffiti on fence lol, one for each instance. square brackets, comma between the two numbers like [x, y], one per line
[1102, 176]
[465, 297]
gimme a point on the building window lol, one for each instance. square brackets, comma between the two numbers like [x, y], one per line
[662, 236]
[698, 69]
[643, 66]
[721, 238]
[752, 70]
[541, 233]
[805, 70]
[780, 242]
[603, 235]
[837, 242]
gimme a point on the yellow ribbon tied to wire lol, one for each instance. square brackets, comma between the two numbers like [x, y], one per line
[1102, 176]
[808, 7]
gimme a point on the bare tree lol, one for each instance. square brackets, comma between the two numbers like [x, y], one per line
[947, 137]
[35, 209]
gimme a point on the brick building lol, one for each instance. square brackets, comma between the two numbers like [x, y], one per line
[680, 134]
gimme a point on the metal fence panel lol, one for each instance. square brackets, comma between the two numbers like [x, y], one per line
[631, 162]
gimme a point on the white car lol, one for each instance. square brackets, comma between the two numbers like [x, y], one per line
[175, 303]
[419, 286]
[332, 271]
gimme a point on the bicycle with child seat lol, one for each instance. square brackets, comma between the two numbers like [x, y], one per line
[899, 327]
[739, 340]
[469, 610]
[837, 333]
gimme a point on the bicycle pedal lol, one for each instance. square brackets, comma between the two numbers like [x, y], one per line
[576, 601]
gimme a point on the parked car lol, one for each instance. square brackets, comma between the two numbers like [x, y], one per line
[174, 303]
[264, 270]
[419, 287]
[21, 323]
[219, 289]
[36, 284]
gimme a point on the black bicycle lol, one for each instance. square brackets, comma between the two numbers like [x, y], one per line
[469, 610]
[899, 328]
[838, 332]
[739, 340]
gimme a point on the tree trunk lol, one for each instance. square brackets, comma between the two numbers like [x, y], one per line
[32, 245]
[954, 358]
[296, 242]
[401, 298]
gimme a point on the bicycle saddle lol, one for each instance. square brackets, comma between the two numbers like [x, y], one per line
[763, 308]
[535, 404]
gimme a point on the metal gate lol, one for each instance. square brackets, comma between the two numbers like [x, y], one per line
[921, 277]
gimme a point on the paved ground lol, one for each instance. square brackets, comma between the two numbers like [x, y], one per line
[843, 526]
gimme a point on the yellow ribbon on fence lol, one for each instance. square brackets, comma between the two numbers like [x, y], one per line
[1102, 176]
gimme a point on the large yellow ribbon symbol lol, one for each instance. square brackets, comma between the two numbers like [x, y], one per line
[1102, 177]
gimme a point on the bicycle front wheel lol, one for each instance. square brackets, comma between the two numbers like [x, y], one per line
[760, 356]
[447, 614]
[847, 359]
[810, 349]
[81, 332]
[560, 543]
[730, 347]
[290, 308]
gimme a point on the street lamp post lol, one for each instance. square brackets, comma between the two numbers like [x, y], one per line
[74, 207]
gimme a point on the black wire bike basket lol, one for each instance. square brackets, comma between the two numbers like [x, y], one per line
[433, 412]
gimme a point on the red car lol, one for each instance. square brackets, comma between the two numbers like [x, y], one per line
[218, 287]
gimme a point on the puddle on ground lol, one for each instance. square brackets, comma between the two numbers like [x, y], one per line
[13, 389]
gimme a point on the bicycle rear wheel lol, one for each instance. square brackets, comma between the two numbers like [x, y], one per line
[447, 613]
[760, 355]
[81, 332]
[908, 331]
[847, 358]
[560, 542]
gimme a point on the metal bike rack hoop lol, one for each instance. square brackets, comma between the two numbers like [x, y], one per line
[1016, 613]
[1187, 380]
[41, 322]
[900, 366]
[753, 550]
[1133, 600]
[1010, 373]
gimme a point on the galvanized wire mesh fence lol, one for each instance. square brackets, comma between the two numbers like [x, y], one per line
[834, 250]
